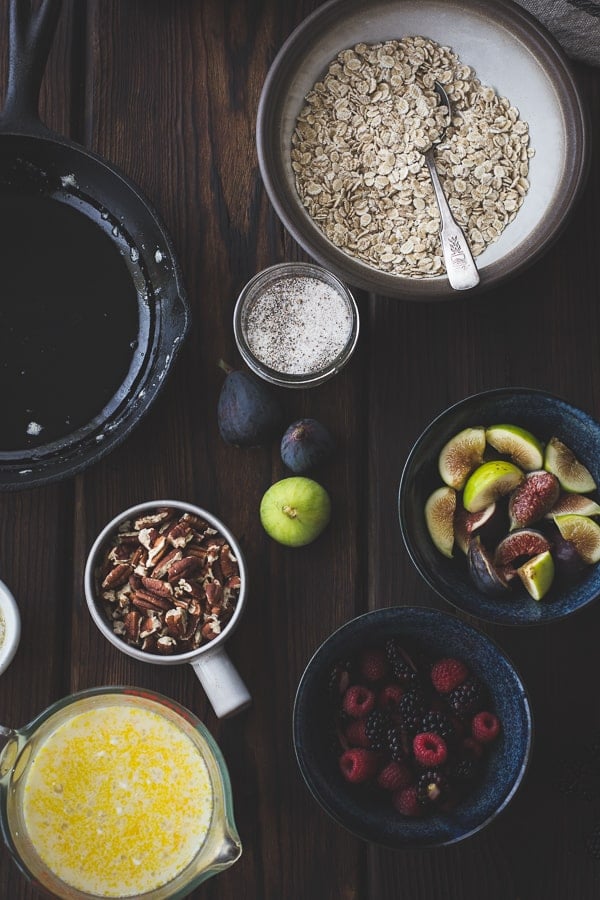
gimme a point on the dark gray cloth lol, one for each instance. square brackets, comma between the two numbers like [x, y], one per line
[574, 23]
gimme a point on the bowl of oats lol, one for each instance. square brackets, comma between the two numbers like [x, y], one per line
[349, 108]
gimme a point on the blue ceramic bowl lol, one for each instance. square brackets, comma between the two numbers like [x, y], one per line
[369, 814]
[544, 415]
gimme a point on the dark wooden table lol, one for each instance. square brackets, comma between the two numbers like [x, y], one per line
[168, 91]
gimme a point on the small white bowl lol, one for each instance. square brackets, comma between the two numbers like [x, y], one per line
[10, 627]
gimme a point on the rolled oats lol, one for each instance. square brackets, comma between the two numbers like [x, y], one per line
[358, 145]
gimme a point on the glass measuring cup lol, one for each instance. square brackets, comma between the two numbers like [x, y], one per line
[221, 846]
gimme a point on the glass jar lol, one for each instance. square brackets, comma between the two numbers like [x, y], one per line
[296, 324]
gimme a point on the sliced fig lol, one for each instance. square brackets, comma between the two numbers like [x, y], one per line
[567, 560]
[572, 474]
[439, 518]
[482, 570]
[579, 504]
[519, 546]
[583, 533]
[461, 455]
[537, 574]
[520, 445]
[467, 524]
[490, 481]
[532, 499]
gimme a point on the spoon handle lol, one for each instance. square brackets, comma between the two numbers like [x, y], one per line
[460, 265]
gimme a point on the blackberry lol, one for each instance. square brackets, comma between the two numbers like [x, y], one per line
[376, 729]
[468, 698]
[403, 671]
[592, 841]
[340, 678]
[568, 776]
[588, 785]
[432, 788]
[411, 710]
[463, 771]
[396, 744]
[438, 723]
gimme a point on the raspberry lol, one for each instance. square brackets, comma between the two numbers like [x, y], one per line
[430, 750]
[472, 748]
[447, 674]
[358, 764]
[373, 664]
[394, 777]
[358, 701]
[405, 801]
[485, 727]
[389, 697]
[355, 733]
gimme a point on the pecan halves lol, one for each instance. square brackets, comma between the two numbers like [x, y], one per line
[170, 582]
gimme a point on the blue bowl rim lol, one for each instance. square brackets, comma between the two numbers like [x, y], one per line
[440, 417]
[425, 613]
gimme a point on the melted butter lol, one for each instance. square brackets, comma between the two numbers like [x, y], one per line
[118, 801]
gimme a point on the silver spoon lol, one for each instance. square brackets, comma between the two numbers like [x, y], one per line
[460, 265]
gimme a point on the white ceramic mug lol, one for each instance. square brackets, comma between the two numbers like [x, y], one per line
[224, 688]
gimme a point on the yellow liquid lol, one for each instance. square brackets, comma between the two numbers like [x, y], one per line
[117, 801]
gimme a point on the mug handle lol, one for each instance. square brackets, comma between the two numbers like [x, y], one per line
[221, 681]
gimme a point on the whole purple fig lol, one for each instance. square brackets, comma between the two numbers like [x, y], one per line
[305, 445]
[248, 413]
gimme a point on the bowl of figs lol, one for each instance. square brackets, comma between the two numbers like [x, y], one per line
[499, 506]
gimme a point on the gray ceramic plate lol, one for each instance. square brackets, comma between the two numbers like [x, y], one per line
[509, 51]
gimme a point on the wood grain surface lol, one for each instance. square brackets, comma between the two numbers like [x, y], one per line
[168, 90]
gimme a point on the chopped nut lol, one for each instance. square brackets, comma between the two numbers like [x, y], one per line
[117, 576]
[169, 582]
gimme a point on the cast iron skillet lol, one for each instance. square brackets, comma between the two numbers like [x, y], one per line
[92, 306]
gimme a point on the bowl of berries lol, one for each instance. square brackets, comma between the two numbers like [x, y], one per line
[411, 728]
[499, 506]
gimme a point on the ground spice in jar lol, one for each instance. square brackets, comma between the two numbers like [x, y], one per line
[298, 326]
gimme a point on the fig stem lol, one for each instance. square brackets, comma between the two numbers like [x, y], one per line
[225, 366]
[289, 511]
